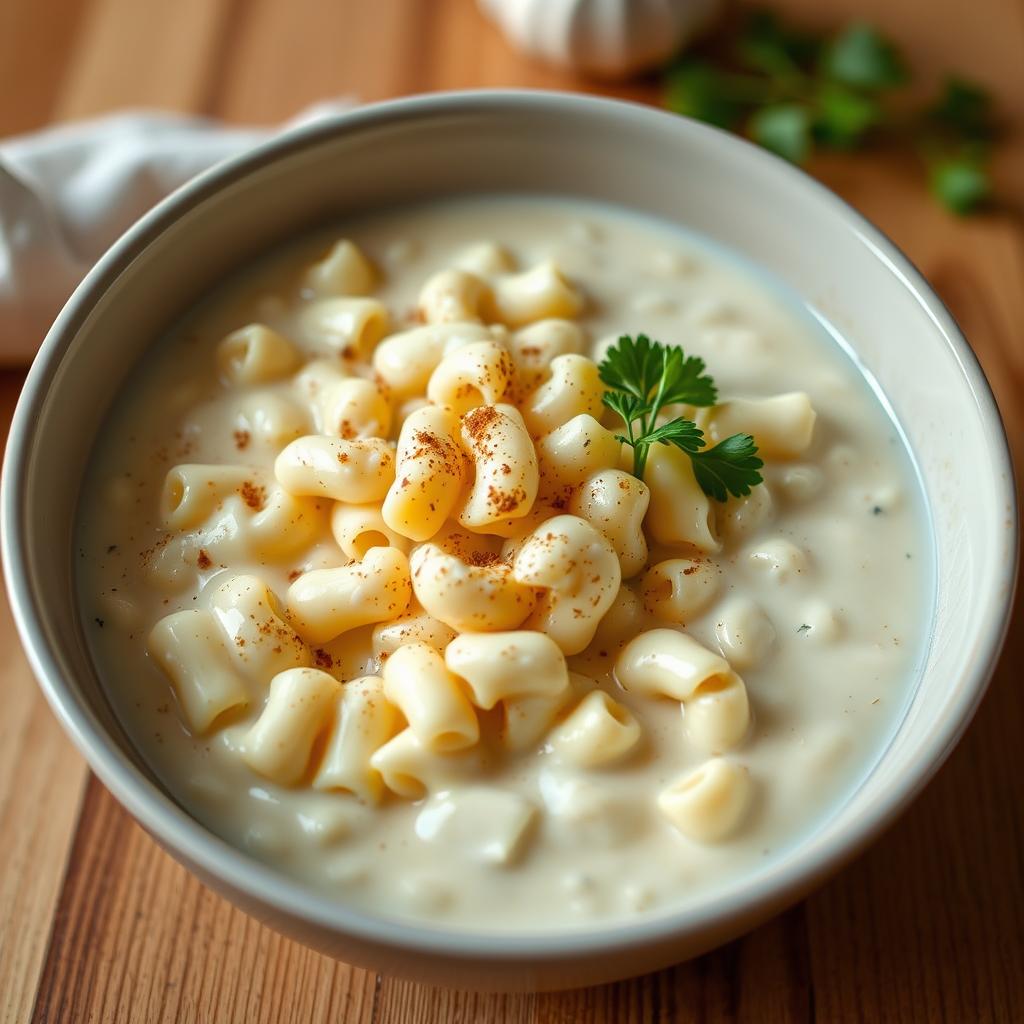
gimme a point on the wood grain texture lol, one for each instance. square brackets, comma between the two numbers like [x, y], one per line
[36, 39]
[115, 55]
[137, 938]
[41, 780]
[98, 924]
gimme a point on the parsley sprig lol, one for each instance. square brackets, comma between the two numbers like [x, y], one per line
[644, 377]
[793, 92]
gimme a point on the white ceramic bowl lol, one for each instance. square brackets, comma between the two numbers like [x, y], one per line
[519, 141]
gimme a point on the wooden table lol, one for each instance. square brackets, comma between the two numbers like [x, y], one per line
[96, 923]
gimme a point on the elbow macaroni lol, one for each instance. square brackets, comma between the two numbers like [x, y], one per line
[259, 641]
[466, 596]
[709, 803]
[679, 511]
[417, 627]
[480, 373]
[279, 746]
[537, 294]
[717, 717]
[364, 721]
[745, 633]
[327, 467]
[534, 348]
[527, 719]
[485, 259]
[358, 528]
[284, 525]
[418, 683]
[615, 503]
[453, 296]
[404, 362]
[430, 471]
[269, 419]
[598, 731]
[350, 327]
[506, 477]
[514, 531]
[410, 769]
[679, 588]
[353, 408]
[782, 425]
[500, 666]
[453, 532]
[229, 517]
[255, 355]
[325, 603]
[572, 453]
[667, 663]
[739, 517]
[190, 651]
[404, 765]
[572, 389]
[192, 493]
[579, 575]
[623, 620]
[345, 270]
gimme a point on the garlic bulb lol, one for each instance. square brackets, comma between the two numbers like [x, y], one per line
[610, 38]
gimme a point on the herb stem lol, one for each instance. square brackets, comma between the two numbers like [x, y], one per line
[644, 378]
[659, 397]
[640, 459]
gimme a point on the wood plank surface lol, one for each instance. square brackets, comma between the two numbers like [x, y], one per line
[41, 780]
[98, 924]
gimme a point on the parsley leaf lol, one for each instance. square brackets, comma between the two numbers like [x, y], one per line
[792, 91]
[628, 406]
[644, 377]
[731, 467]
[962, 183]
[959, 128]
[656, 375]
[862, 58]
[684, 380]
[684, 434]
[698, 89]
[785, 129]
[633, 366]
[844, 116]
[765, 44]
[963, 110]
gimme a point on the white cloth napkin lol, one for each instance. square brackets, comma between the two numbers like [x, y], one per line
[67, 193]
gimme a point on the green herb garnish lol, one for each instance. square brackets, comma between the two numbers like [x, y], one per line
[794, 92]
[644, 377]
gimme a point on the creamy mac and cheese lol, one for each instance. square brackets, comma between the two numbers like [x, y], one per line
[371, 583]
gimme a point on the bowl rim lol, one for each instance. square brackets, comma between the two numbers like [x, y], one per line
[261, 884]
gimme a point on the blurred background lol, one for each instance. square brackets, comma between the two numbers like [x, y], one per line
[262, 61]
[913, 110]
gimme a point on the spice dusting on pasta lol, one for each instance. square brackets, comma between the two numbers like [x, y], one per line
[512, 583]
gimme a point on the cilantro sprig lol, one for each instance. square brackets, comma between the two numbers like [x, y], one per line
[793, 92]
[644, 377]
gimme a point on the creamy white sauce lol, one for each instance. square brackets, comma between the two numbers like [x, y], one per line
[829, 640]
